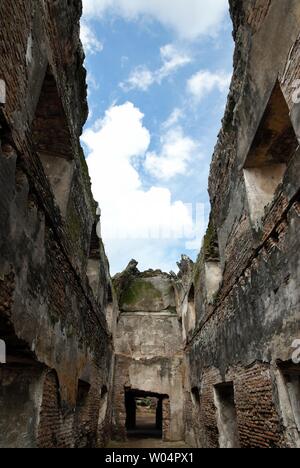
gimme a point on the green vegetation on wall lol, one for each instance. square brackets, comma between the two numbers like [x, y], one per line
[139, 291]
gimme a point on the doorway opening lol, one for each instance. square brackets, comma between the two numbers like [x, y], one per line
[20, 384]
[145, 414]
[288, 384]
[227, 416]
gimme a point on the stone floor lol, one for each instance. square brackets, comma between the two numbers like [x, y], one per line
[147, 443]
[146, 435]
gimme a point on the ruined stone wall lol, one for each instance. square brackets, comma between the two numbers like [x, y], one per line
[53, 389]
[237, 310]
[149, 352]
[246, 279]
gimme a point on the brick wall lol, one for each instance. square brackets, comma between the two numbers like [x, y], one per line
[49, 314]
[254, 318]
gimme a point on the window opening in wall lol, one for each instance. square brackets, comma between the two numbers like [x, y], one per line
[93, 266]
[195, 396]
[103, 405]
[213, 268]
[110, 307]
[104, 392]
[274, 145]
[20, 377]
[213, 279]
[191, 313]
[82, 393]
[109, 295]
[52, 141]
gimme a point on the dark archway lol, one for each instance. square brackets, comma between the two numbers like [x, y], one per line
[144, 414]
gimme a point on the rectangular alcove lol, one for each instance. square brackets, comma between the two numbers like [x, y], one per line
[109, 310]
[2, 92]
[103, 406]
[191, 311]
[2, 352]
[82, 393]
[52, 141]
[288, 384]
[195, 393]
[213, 279]
[93, 266]
[213, 270]
[273, 146]
[226, 416]
[189, 318]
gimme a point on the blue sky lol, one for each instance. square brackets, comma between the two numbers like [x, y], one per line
[158, 77]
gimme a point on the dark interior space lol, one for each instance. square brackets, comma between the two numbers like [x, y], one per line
[144, 414]
[196, 396]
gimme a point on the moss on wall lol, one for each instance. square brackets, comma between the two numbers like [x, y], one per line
[139, 291]
[84, 170]
[211, 245]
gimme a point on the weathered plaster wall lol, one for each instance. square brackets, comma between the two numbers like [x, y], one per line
[236, 310]
[149, 352]
[247, 330]
[50, 318]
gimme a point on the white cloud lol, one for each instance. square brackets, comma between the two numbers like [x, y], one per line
[204, 82]
[129, 211]
[173, 119]
[177, 150]
[153, 254]
[92, 82]
[141, 78]
[188, 18]
[172, 60]
[90, 42]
